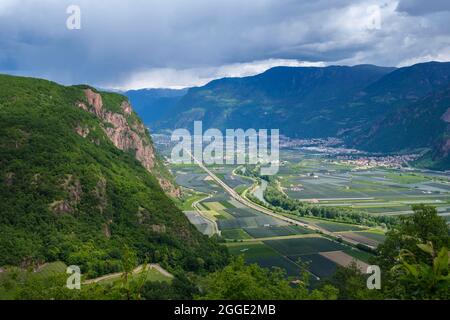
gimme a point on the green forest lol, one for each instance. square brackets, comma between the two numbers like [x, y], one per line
[67, 198]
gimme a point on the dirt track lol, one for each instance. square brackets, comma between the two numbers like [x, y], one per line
[135, 271]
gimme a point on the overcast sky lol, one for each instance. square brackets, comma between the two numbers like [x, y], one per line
[181, 43]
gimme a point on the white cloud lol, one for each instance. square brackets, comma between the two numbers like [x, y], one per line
[192, 77]
[442, 56]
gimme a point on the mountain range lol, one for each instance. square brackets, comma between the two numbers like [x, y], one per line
[377, 109]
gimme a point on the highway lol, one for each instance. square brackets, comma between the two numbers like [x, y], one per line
[261, 209]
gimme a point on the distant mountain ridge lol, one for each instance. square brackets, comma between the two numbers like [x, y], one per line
[353, 103]
[296, 100]
[154, 104]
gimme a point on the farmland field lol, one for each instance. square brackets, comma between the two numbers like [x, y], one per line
[283, 245]
[375, 236]
[338, 227]
[317, 264]
[343, 259]
[327, 181]
[264, 256]
[267, 232]
[271, 242]
[235, 234]
[290, 247]
[359, 237]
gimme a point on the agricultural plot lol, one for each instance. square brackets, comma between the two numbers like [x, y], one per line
[196, 181]
[202, 224]
[235, 181]
[215, 215]
[220, 197]
[291, 269]
[268, 232]
[264, 256]
[316, 264]
[235, 234]
[386, 209]
[250, 222]
[216, 210]
[345, 260]
[358, 254]
[241, 212]
[338, 227]
[293, 254]
[326, 188]
[292, 247]
[357, 236]
[236, 203]
[378, 237]
[332, 182]
[214, 206]
[442, 187]
[226, 175]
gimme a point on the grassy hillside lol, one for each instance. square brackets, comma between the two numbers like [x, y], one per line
[68, 194]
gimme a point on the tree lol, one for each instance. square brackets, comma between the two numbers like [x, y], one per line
[420, 280]
[129, 261]
[239, 281]
[180, 288]
[424, 226]
[352, 284]
[412, 257]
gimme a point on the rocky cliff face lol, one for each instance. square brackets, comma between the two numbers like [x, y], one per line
[126, 133]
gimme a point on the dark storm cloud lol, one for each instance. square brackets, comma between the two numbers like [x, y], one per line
[421, 7]
[177, 42]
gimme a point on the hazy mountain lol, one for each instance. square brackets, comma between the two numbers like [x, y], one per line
[391, 94]
[374, 108]
[421, 124]
[299, 101]
[154, 104]
[79, 179]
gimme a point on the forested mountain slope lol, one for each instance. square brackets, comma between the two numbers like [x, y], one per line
[302, 102]
[79, 179]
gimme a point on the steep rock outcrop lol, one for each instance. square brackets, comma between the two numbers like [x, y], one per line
[120, 132]
[82, 132]
[126, 134]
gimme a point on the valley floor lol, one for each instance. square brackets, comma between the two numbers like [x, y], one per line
[274, 240]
